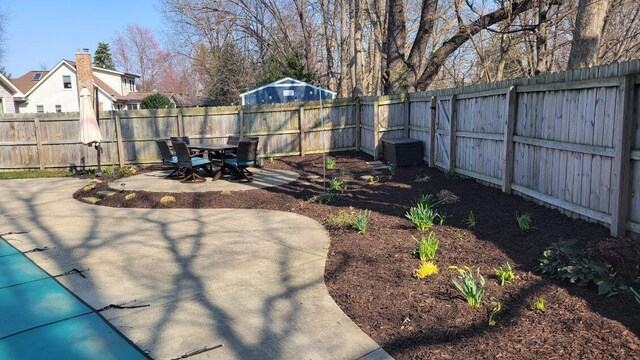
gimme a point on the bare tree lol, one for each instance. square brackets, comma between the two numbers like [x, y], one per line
[136, 51]
[586, 35]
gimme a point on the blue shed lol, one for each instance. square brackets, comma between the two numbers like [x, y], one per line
[285, 90]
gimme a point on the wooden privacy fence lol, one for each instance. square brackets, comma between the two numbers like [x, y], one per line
[570, 140]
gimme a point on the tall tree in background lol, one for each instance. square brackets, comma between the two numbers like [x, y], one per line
[102, 57]
[3, 26]
[587, 32]
[136, 51]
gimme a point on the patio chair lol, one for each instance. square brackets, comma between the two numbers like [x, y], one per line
[168, 158]
[246, 156]
[186, 140]
[188, 165]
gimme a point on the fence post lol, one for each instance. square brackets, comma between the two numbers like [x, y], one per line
[407, 116]
[121, 156]
[180, 123]
[507, 146]
[432, 133]
[358, 120]
[39, 148]
[452, 133]
[241, 121]
[301, 128]
[376, 131]
[621, 162]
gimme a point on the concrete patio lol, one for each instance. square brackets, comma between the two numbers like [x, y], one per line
[248, 280]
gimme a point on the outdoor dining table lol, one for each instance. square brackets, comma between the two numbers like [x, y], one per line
[216, 151]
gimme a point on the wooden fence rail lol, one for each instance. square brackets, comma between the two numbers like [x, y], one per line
[570, 140]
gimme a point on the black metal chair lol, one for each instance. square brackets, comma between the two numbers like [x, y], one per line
[189, 164]
[168, 158]
[186, 140]
[246, 156]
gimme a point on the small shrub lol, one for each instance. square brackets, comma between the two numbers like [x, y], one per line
[127, 171]
[447, 197]
[471, 288]
[422, 216]
[493, 313]
[538, 305]
[373, 180]
[322, 198]
[330, 164]
[471, 219]
[524, 221]
[427, 247]
[108, 170]
[422, 178]
[426, 268]
[360, 220]
[505, 273]
[167, 200]
[341, 220]
[130, 196]
[392, 169]
[337, 185]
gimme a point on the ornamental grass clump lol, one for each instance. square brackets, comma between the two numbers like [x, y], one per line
[447, 197]
[426, 268]
[360, 220]
[524, 221]
[471, 220]
[343, 219]
[127, 171]
[422, 216]
[427, 247]
[167, 200]
[505, 273]
[472, 288]
[337, 185]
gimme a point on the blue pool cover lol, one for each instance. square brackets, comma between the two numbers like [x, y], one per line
[41, 319]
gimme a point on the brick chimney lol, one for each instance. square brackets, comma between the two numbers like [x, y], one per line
[84, 70]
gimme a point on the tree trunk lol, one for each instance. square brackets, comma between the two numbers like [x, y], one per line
[344, 49]
[358, 55]
[328, 41]
[586, 34]
[542, 54]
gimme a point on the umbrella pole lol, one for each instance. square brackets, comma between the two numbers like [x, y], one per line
[98, 148]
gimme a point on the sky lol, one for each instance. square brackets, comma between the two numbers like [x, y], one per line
[43, 32]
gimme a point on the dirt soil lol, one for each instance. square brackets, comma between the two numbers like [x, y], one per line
[370, 275]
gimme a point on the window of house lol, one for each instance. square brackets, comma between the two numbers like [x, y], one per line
[58, 108]
[287, 92]
[132, 106]
[131, 85]
[66, 81]
[36, 76]
[40, 108]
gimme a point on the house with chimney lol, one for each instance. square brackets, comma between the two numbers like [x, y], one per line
[58, 89]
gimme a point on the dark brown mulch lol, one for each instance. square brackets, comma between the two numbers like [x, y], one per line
[370, 275]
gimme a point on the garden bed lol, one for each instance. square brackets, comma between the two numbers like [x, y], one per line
[370, 275]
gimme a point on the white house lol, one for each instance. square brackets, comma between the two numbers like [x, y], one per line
[58, 90]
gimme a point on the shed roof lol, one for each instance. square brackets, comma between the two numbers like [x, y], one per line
[286, 82]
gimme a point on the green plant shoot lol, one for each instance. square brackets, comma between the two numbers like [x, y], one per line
[360, 220]
[538, 305]
[524, 221]
[471, 220]
[505, 273]
[427, 247]
[337, 185]
[494, 311]
[426, 268]
[471, 288]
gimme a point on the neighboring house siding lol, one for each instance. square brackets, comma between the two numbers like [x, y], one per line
[51, 93]
[8, 106]
[113, 80]
[276, 94]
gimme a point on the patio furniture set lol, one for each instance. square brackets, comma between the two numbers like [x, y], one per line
[217, 159]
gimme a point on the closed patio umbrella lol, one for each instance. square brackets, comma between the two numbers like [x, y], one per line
[89, 130]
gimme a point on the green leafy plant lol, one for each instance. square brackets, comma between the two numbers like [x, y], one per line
[422, 178]
[447, 197]
[130, 196]
[127, 171]
[330, 164]
[524, 221]
[472, 288]
[493, 313]
[360, 220]
[427, 247]
[392, 169]
[373, 180]
[337, 185]
[341, 220]
[471, 219]
[422, 216]
[538, 305]
[167, 200]
[636, 295]
[565, 261]
[108, 170]
[427, 200]
[156, 101]
[443, 219]
[426, 268]
[322, 198]
[505, 273]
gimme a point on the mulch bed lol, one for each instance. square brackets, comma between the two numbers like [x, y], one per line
[370, 275]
